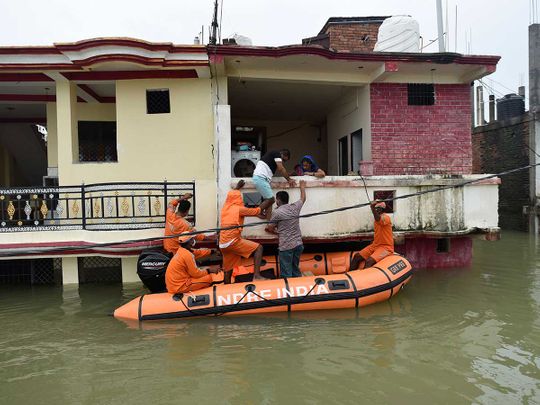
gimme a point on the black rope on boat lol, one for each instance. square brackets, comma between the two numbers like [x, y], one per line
[236, 303]
[250, 288]
[180, 297]
[215, 230]
[258, 295]
[318, 281]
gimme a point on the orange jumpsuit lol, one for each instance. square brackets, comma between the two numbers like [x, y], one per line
[183, 275]
[383, 240]
[175, 225]
[233, 247]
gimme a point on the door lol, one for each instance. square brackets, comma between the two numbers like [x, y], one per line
[343, 151]
[356, 149]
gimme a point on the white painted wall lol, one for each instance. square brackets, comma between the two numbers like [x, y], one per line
[222, 135]
[481, 205]
[349, 114]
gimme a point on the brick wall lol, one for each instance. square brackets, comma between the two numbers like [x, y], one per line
[321, 40]
[503, 146]
[353, 37]
[416, 139]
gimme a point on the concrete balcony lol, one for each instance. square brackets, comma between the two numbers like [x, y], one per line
[454, 211]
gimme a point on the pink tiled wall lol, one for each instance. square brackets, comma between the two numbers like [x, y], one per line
[415, 139]
[422, 253]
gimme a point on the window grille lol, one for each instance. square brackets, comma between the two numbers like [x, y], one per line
[15, 272]
[97, 141]
[98, 269]
[43, 271]
[30, 271]
[383, 195]
[421, 94]
[158, 101]
[443, 245]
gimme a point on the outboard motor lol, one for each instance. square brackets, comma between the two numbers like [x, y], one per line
[151, 268]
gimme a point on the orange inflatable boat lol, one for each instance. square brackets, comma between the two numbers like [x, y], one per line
[331, 287]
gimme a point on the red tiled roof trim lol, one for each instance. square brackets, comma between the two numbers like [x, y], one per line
[277, 52]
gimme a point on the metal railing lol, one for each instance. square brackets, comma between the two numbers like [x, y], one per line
[104, 206]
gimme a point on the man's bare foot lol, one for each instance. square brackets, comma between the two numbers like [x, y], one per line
[268, 229]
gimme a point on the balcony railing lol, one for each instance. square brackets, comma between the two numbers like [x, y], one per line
[96, 207]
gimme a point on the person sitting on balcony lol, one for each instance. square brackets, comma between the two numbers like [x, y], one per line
[176, 223]
[287, 226]
[308, 167]
[269, 164]
[233, 247]
[383, 239]
[182, 274]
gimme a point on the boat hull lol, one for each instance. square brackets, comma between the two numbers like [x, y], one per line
[330, 291]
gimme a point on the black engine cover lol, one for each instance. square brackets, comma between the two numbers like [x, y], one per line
[151, 268]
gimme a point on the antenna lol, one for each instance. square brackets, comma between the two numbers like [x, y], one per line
[455, 33]
[447, 29]
[214, 25]
[440, 25]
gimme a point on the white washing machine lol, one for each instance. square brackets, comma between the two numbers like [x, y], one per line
[243, 162]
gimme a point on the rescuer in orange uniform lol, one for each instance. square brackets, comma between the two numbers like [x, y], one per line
[233, 247]
[383, 239]
[182, 273]
[176, 223]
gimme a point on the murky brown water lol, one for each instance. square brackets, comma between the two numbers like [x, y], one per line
[452, 336]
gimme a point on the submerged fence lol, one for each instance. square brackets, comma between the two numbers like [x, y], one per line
[103, 206]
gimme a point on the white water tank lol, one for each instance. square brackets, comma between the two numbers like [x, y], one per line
[398, 34]
[242, 40]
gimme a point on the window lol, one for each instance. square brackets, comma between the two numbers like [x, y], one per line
[158, 101]
[99, 269]
[421, 94]
[443, 245]
[383, 195]
[97, 141]
[343, 151]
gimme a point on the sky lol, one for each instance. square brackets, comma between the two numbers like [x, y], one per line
[485, 27]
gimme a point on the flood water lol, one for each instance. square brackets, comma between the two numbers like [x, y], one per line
[451, 336]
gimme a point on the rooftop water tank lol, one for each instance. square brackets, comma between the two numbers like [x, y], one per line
[238, 40]
[398, 34]
[242, 40]
[510, 106]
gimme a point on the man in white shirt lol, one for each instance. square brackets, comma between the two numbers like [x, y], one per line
[269, 164]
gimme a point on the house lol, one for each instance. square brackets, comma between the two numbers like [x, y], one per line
[513, 140]
[131, 124]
